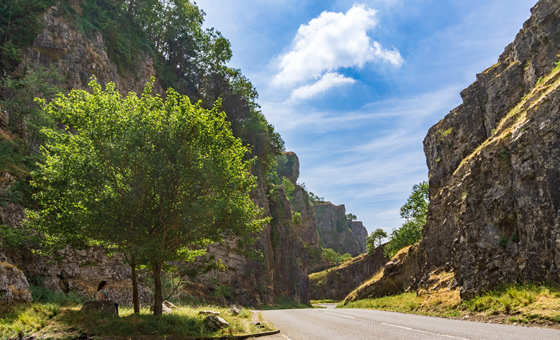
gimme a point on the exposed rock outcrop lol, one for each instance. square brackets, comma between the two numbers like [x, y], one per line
[336, 283]
[494, 200]
[13, 284]
[494, 169]
[78, 58]
[337, 232]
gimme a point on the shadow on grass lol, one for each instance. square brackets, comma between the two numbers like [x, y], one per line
[133, 325]
[284, 304]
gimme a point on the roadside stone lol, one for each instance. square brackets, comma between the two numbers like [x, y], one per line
[169, 305]
[208, 312]
[215, 323]
[234, 310]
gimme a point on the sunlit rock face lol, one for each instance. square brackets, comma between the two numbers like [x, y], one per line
[337, 232]
[494, 168]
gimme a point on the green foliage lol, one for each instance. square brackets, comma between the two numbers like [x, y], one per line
[20, 22]
[414, 211]
[18, 146]
[503, 241]
[334, 258]
[351, 217]
[289, 188]
[156, 180]
[515, 238]
[540, 80]
[296, 218]
[53, 321]
[443, 133]
[14, 238]
[314, 198]
[44, 295]
[375, 237]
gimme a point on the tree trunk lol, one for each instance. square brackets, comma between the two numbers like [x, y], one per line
[135, 299]
[158, 298]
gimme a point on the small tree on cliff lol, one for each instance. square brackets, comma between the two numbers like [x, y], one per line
[375, 237]
[155, 180]
[415, 211]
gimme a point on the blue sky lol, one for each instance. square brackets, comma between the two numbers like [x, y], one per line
[354, 86]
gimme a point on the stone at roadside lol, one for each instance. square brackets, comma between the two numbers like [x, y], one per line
[208, 312]
[234, 310]
[13, 284]
[215, 323]
[169, 305]
[165, 307]
[100, 306]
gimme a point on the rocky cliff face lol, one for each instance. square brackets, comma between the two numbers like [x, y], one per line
[336, 283]
[494, 168]
[494, 172]
[77, 58]
[337, 232]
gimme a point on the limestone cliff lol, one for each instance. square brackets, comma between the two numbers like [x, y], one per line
[337, 232]
[336, 283]
[280, 273]
[494, 173]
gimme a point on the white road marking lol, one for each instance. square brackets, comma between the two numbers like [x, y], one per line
[421, 331]
[285, 337]
[346, 316]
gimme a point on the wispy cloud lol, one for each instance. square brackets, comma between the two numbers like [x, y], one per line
[328, 81]
[327, 43]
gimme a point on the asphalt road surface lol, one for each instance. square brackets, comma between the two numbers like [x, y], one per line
[371, 324]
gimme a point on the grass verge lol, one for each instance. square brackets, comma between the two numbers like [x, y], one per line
[46, 320]
[530, 304]
[284, 304]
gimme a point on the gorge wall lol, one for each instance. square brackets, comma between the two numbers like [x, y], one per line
[494, 171]
[290, 244]
[336, 231]
[336, 283]
[282, 270]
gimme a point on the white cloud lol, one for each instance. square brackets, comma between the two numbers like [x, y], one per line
[327, 82]
[332, 41]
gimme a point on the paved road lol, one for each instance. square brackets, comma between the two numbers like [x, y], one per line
[371, 324]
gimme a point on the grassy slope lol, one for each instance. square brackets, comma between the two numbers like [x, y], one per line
[521, 304]
[50, 320]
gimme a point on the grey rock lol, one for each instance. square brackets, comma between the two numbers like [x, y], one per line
[215, 323]
[13, 284]
[234, 310]
[208, 312]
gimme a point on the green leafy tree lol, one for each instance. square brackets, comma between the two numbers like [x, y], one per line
[289, 188]
[351, 217]
[334, 258]
[415, 211]
[375, 237]
[155, 180]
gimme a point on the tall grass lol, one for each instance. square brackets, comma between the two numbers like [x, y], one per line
[522, 303]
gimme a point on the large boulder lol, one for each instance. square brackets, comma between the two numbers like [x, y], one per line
[13, 284]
